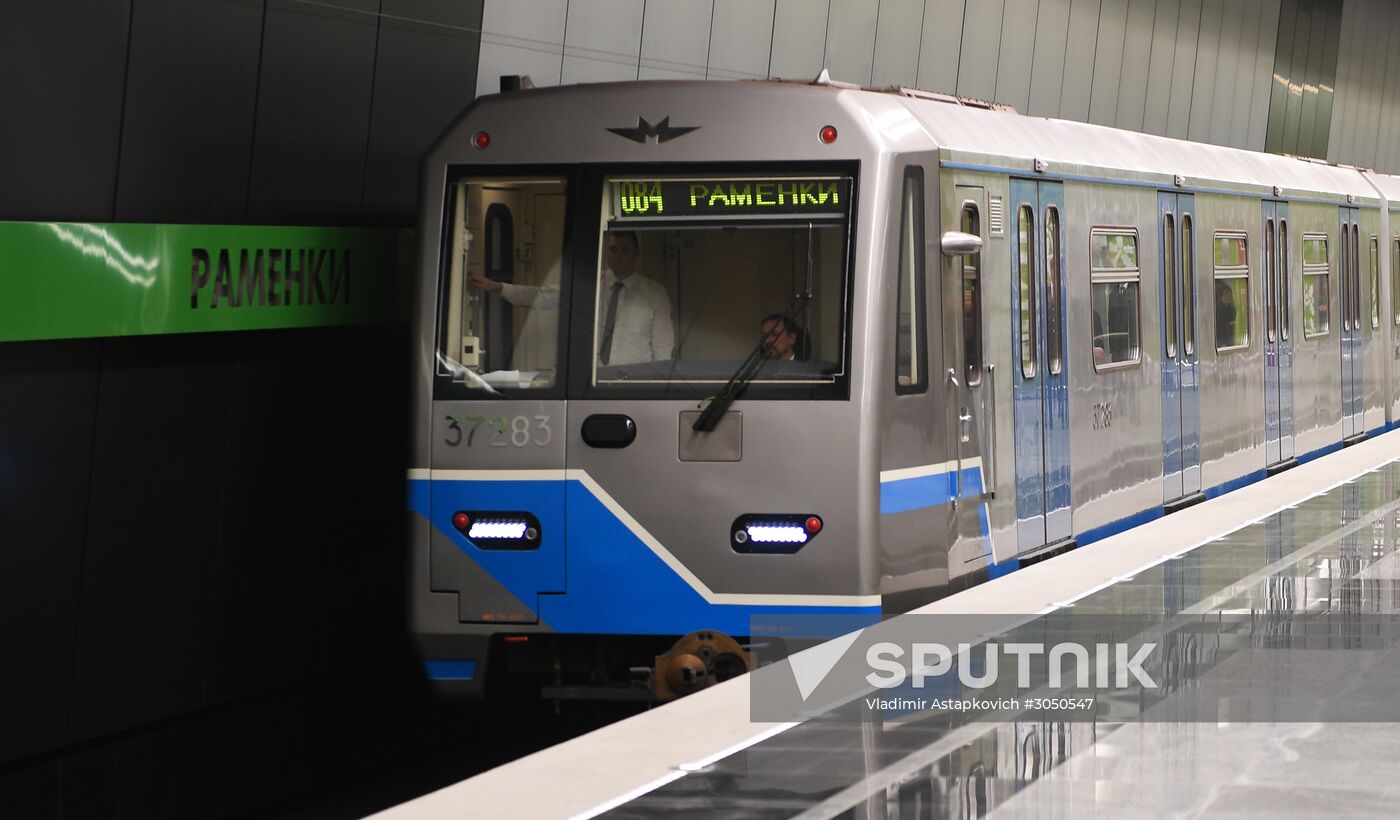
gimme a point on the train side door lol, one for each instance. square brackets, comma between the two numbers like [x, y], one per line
[1181, 403]
[1349, 272]
[497, 493]
[1278, 344]
[1040, 381]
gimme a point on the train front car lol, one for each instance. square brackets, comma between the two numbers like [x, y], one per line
[598, 264]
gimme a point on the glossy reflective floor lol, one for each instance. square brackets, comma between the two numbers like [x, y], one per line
[1315, 584]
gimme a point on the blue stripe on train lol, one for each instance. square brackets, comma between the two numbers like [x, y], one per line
[615, 583]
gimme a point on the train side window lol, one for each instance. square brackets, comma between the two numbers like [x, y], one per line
[1114, 282]
[1316, 298]
[1169, 287]
[1270, 274]
[1395, 278]
[911, 368]
[1375, 283]
[1231, 290]
[1188, 281]
[1025, 234]
[972, 298]
[1285, 292]
[1054, 346]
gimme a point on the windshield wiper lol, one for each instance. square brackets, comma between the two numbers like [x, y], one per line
[748, 368]
[731, 390]
[710, 416]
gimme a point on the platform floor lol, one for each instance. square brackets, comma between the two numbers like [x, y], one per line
[1316, 544]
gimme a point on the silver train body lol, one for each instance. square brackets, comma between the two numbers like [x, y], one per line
[1015, 336]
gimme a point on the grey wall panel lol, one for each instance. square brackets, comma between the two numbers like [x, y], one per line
[1377, 55]
[1341, 137]
[1160, 67]
[675, 40]
[1354, 53]
[1188, 28]
[190, 103]
[521, 37]
[1307, 124]
[899, 29]
[1138, 43]
[312, 125]
[1207, 58]
[799, 38]
[1358, 105]
[1280, 87]
[1297, 75]
[1108, 62]
[1236, 116]
[981, 49]
[1263, 74]
[62, 163]
[850, 39]
[1389, 155]
[425, 73]
[940, 48]
[602, 41]
[741, 38]
[1079, 60]
[1228, 60]
[1048, 70]
[1016, 53]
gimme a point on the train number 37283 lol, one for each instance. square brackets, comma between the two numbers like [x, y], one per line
[498, 431]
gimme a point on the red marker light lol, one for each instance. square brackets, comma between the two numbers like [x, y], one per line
[517, 639]
[481, 139]
[813, 525]
[827, 134]
[461, 520]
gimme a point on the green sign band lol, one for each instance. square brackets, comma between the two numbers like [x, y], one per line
[65, 280]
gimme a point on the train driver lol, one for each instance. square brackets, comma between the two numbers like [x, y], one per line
[779, 338]
[634, 310]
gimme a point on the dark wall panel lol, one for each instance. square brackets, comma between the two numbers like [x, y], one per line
[313, 111]
[425, 77]
[190, 104]
[49, 400]
[288, 458]
[148, 570]
[61, 80]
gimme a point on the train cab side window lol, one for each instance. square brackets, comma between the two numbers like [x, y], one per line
[498, 326]
[1317, 301]
[1115, 278]
[972, 298]
[1231, 290]
[911, 367]
[1375, 283]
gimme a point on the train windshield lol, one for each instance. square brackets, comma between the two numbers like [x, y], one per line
[696, 275]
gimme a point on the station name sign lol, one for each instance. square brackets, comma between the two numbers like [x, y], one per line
[735, 198]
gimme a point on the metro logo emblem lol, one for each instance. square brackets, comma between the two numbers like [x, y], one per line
[645, 132]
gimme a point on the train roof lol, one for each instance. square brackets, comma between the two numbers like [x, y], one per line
[977, 135]
[981, 136]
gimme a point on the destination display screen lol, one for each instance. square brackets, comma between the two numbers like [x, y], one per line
[744, 198]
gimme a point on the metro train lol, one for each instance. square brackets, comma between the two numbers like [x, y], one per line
[1013, 335]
